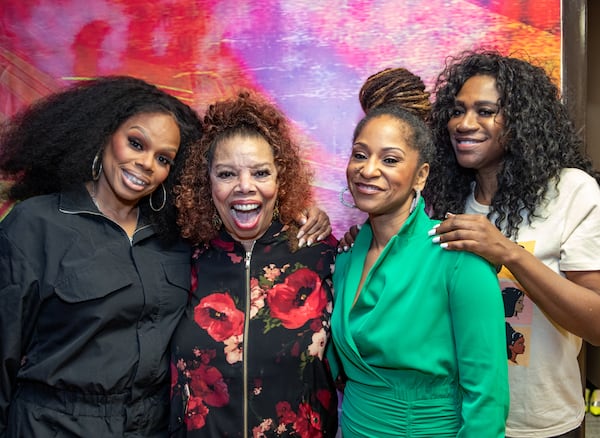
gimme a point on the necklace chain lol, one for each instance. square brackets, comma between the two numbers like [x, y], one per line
[95, 201]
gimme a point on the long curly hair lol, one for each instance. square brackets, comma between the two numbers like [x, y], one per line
[397, 86]
[50, 145]
[248, 115]
[539, 139]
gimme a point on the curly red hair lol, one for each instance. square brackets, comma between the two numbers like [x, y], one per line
[248, 115]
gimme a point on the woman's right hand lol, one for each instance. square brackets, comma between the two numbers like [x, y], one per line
[315, 226]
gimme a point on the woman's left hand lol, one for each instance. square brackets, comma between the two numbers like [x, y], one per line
[315, 226]
[476, 234]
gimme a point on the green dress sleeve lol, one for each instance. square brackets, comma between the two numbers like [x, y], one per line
[477, 314]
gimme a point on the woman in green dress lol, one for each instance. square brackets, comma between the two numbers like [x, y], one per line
[418, 331]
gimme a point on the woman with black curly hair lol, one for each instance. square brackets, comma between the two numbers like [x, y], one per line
[511, 180]
[93, 277]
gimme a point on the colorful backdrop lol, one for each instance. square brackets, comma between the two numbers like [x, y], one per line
[309, 57]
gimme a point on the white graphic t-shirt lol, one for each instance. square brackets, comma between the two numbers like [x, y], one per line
[546, 396]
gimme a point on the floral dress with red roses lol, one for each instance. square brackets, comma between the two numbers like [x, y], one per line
[248, 358]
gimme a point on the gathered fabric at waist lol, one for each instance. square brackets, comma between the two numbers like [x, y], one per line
[412, 405]
[408, 385]
[71, 402]
[41, 410]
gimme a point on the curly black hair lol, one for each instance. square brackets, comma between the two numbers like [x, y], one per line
[51, 144]
[538, 137]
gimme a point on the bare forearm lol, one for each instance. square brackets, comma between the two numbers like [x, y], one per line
[573, 306]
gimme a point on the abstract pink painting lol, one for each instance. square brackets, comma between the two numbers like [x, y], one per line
[310, 58]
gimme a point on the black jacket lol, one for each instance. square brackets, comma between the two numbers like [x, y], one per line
[86, 316]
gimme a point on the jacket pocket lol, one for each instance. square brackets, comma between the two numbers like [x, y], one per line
[91, 283]
[178, 274]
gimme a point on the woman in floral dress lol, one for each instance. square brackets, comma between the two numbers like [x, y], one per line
[248, 357]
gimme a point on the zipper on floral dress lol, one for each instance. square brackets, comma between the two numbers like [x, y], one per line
[245, 340]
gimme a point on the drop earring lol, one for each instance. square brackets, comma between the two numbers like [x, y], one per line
[415, 201]
[216, 221]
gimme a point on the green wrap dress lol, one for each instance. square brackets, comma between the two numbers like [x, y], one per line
[422, 348]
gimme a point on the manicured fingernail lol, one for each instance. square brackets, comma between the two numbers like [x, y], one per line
[436, 239]
[444, 245]
[358, 226]
[339, 250]
[301, 243]
[352, 245]
[320, 238]
[346, 248]
[300, 234]
[309, 242]
[432, 231]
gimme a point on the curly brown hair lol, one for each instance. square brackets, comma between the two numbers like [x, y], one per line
[396, 86]
[248, 115]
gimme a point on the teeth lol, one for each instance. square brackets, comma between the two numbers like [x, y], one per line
[134, 180]
[368, 187]
[244, 207]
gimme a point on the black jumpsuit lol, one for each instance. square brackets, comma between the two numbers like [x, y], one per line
[86, 316]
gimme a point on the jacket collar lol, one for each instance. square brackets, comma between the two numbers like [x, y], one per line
[77, 200]
[274, 233]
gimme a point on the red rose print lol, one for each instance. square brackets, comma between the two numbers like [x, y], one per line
[204, 356]
[207, 382]
[220, 243]
[308, 424]
[218, 315]
[324, 396]
[316, 325]
[285, 413]
[300, 298]
[195, 417]
[295, 351]
[194, 280]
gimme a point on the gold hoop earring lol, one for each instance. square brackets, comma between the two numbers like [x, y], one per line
[97, 165]
[164, 201]
[343, 201]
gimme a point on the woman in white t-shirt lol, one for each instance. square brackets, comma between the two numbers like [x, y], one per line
[515, 188]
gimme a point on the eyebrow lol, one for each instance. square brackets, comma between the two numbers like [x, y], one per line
[384, 149]
[478, 102]
[254, 166]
